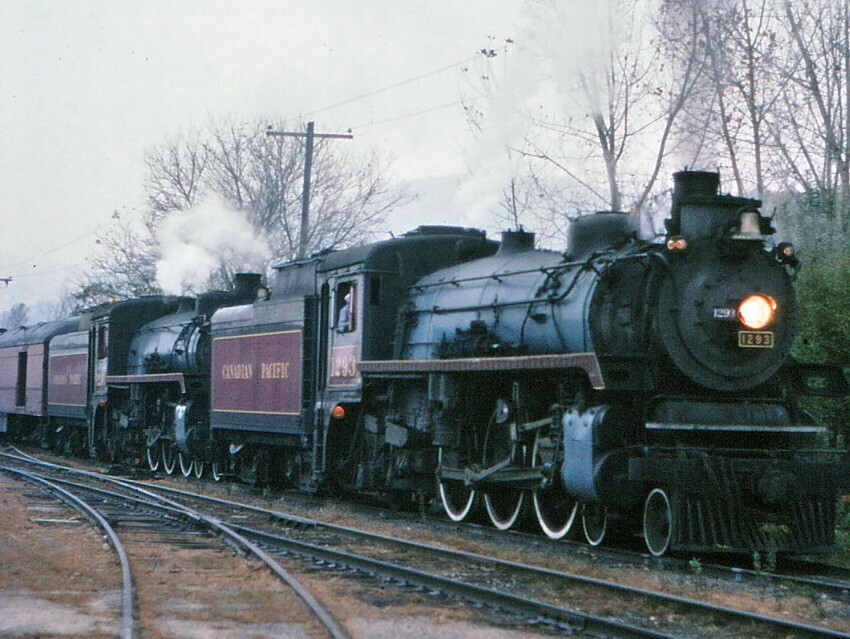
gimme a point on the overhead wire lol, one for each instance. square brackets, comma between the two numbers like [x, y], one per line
[38, 273]
[41, 254]
[407, 115]
[392, 86]
[404, 83]
[310, 114]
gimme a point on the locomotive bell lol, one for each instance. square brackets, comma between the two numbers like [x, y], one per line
[749, 227]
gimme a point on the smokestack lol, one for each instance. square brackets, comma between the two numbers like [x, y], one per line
[246, 285]
[690, 183]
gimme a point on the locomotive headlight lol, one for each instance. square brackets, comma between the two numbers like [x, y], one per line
[757, 311]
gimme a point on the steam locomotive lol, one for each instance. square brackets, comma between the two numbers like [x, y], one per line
[622, 385]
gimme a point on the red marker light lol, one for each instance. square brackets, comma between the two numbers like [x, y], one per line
[677, 244]
[338, 412]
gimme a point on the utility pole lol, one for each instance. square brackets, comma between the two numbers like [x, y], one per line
[308, 166]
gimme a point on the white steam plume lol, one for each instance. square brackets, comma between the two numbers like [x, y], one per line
[196, 241]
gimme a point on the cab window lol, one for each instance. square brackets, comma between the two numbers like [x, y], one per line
[345, 307]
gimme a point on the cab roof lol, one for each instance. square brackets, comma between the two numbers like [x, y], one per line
[423, 236]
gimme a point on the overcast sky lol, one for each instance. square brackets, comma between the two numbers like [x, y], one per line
[87, 87]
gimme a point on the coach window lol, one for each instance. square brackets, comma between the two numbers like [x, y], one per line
[21, 387]
[346, 307]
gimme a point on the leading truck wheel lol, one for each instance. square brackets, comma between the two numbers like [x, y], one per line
[458, 499]
[594, 521]
[657, 522]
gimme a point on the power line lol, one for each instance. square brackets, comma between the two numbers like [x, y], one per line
[38, 273]
[399, 84]
[392, 86]
[408, 115]
[50, 251]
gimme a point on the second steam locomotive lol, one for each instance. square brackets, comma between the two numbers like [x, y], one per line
[621, 385]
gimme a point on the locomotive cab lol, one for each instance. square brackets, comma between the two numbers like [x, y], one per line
[363, 295]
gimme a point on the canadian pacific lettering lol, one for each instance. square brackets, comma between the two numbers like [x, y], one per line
[274, 370]
[268, 370]
[237, 371]
[74, 379]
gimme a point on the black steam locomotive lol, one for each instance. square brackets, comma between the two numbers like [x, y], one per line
[624, 384]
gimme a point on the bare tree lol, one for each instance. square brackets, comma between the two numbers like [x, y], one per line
[601, 138]
[812, 134]
[633, 98]
[176, 174]
[15, 317]
[543, 203]
[263, 177]
[124, 265]
[259, 176]
[740, 87]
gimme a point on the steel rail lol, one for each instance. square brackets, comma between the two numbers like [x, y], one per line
[127, 622]
[836, 588]
[563, 618]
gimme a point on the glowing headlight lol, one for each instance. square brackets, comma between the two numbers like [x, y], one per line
[757, 311]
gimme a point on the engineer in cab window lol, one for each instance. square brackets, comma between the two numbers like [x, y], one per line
[346, 312]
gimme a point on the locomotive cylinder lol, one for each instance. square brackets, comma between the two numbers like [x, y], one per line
[597, 465]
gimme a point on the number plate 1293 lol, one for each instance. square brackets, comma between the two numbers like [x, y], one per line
[755, 339]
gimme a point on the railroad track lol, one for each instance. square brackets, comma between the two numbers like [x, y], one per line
[342, 547]
[829, 579]
[825, 578]
[125, 505]
[127, 623]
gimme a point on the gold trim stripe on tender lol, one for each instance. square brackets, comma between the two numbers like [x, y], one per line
[252, 412]
[295, 330]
